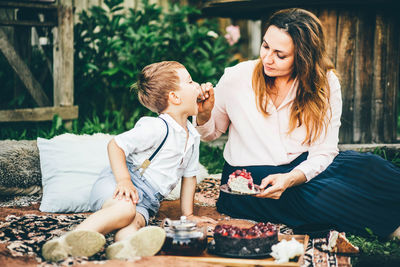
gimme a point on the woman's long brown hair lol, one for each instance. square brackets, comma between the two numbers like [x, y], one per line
[311, 64]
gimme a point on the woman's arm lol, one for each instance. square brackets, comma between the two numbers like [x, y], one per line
[212, 119]
[322, 152]
[205, 104]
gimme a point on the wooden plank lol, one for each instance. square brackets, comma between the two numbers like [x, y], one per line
[368, 147]
[208, 258]
[38, 114]
[377, 122]
[345, 65]
[63, 51]
[253, 9]
[329, 20]
[391, 80]
[23, 71]
[363, 77]
[21, 42]
[27, 23]
[20, 4]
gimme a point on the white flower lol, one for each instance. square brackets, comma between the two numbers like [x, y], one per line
[285, 250]
[212, 34]
[232, 34]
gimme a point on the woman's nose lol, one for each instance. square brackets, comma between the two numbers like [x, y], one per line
[269, 57]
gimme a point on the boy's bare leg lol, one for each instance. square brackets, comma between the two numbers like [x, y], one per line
[137, 223]
[87, 238]
[115, 214]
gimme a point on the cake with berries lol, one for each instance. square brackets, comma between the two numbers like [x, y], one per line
[240, 181]
[242, 242]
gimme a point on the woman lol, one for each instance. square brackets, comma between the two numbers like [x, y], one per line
[283, 115]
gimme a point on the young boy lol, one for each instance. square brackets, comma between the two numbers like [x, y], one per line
[127, 193]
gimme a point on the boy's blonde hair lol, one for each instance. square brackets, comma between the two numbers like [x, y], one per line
[155, 82]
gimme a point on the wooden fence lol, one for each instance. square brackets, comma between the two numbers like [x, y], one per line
[364, 45]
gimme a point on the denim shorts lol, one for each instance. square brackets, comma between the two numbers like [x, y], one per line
[104, 187]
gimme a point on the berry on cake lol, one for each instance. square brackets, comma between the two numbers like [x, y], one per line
[240, 181]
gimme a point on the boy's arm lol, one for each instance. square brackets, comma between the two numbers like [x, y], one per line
[125, 187]
[188, 188]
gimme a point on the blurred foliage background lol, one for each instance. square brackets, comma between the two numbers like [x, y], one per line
[111, 48]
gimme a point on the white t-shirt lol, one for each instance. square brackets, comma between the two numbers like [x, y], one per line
[258, 140]
[173, 161]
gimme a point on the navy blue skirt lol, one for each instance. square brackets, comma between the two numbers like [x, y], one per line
[357, 191]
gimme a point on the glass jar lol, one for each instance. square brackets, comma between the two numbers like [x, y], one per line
[184, 237]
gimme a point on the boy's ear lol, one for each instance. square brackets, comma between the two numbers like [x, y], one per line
[174, 97]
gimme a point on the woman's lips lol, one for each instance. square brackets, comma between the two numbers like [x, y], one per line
[268, 68]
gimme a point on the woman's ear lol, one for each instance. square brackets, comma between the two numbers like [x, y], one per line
[174, 97]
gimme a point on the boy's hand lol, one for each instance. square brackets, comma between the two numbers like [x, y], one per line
[125, 189]
[202, 219]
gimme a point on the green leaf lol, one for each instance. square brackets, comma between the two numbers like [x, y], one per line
[369, 231]
[110, 72]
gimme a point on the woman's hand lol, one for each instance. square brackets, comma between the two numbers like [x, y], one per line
[126, 189]
[206, 103]
[201, 219]
[276, 184]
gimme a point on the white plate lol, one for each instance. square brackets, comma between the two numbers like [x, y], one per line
[225, 188]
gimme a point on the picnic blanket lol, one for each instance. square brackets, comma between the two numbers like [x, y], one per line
[24, 230]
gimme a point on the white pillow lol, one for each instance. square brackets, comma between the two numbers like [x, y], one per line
[70, 164]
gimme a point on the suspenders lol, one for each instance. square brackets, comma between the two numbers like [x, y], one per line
[147, 162]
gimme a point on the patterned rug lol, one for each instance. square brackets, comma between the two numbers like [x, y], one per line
[25, 235]
[207, 192]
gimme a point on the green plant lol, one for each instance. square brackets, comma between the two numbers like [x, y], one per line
[211, 157]
[113, 47]
[390, 154]
[375, 252]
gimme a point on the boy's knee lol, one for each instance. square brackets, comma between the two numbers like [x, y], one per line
[125, 208]
[139, 221]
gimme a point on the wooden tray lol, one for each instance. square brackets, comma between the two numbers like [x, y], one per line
[209, 258]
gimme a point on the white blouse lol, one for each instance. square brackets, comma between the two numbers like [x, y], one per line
[254, 139]
[177, 158]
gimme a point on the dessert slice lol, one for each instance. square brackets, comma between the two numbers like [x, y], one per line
[337, 242]
[240, 181]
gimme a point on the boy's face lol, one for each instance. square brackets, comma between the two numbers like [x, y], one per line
[189, 91]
